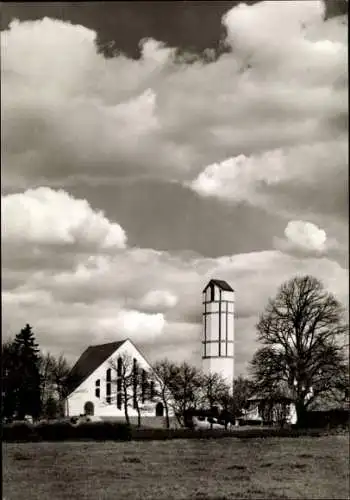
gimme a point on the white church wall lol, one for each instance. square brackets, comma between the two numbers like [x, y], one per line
[212, 349]
[225, 295]
[222, 366]
[230, 350]
[212, 327]
[212, 307]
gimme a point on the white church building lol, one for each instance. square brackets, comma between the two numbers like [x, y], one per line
[96, 389]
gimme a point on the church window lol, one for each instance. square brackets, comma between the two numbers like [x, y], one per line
[97, 388]
[119, 367]
[108, 385]
[152, 391]
[108, 393]
[119, 401]
[119, 382]
[135, 374]
[143, 386]
[119, 393]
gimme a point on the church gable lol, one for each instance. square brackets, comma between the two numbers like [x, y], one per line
[91, 359]
[97, 391]
[94, 357]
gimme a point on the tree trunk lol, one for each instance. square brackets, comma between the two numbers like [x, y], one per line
[126, 406]
[167, 421]
[301, 414]
[126, 413]
[180, 419]
[138, 414]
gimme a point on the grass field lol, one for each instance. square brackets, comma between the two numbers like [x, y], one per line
[220, 469]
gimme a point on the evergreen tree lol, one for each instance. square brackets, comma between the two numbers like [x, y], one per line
[9, 383]
[25, 377]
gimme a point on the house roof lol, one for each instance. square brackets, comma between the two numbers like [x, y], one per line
[90, 360]
[221, 284]
[262, 397]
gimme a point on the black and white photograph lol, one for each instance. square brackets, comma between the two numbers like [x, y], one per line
[175, 250]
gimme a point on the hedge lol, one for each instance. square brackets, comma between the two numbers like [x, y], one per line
[104, 431]
[116, 431]
[64, 431]
[19, 431]
[328, 419]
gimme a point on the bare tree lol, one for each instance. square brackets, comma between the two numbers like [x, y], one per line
[142, 388]
[63, 379]
[134, 385]
[123, 380]
[243, 389]
[185, 387]
[165, 372]
[301, 332]
[214, 390]
[46, 372]
[232, 402]
[55, 381]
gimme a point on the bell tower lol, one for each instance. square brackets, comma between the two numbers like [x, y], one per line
[218, 330]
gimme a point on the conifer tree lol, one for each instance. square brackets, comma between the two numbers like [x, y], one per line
[9, 370]
[25, 376]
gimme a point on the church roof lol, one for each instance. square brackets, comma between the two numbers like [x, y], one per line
[89, 361]
[221, 284]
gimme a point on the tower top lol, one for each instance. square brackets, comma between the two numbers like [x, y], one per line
[223, 285]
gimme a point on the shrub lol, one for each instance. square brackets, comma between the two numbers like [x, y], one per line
[104, 431]
[255, 423]
[56, 431]
[327, 419]
[98, 431]
[19, 432]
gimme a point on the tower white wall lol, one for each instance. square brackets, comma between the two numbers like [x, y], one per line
[218, 332]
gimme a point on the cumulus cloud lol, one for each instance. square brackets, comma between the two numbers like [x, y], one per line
[62, 325]
[277, 179]
[266, 33]
[135, 324]
[46, 216]
[236, 178]
[158, 300]
[282, 84]
[265, 124]
[306, 238]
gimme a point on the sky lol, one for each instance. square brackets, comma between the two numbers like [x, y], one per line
[148, 148]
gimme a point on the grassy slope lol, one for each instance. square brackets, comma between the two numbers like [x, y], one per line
[181, 469]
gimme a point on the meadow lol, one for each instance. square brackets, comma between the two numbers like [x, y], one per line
[211, 469]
